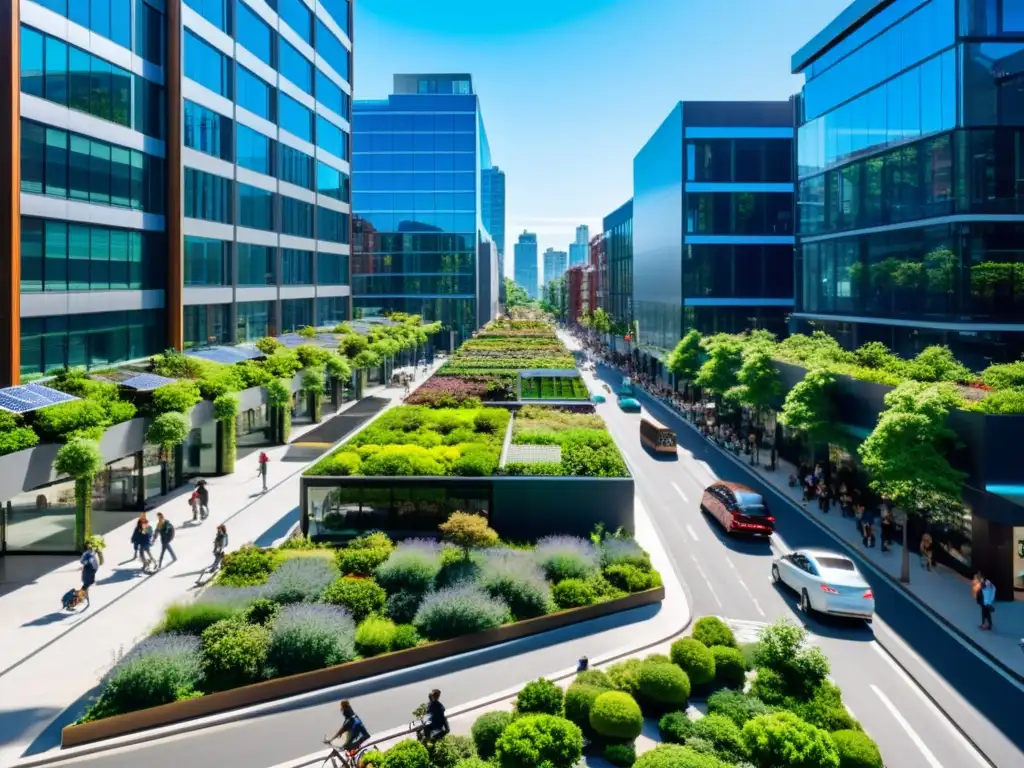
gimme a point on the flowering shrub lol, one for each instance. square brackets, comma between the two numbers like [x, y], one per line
[455, 391]
[518, 581]
[412, 567]
[458, 611]
[567, 557]
[302, 579]
[622, 551]
[308, 637]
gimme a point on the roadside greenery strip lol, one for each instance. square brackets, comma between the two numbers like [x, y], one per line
[305, 607]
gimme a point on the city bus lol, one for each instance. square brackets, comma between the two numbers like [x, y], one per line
[657, 436]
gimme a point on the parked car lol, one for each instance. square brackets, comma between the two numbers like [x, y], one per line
[629, 404]
[738, 509]
[827, 582]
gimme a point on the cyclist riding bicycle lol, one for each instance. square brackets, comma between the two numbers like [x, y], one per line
[353, 726]
[437, 722]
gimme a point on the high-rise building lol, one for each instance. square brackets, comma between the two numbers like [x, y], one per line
[555, 264]
[908, 152]
[492, 203]
[419, 240]
[579, 249]
[618, 237]
[713, 222]
[178, 174]
[525, 264]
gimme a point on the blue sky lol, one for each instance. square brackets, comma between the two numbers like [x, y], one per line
[571, 89]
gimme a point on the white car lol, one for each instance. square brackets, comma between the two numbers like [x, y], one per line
[827, 582]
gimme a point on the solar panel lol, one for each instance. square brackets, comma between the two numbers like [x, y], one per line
[31, 397]
[225, 355]
[146, 382]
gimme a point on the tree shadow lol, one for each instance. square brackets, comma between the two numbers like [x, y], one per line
[49, 739]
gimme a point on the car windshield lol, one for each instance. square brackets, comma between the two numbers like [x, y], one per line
[836, 563]
[754, 510]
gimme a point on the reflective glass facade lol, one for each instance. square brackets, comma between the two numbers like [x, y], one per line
[618, 239]
[525, 264]
[908, 156]
[417, 160]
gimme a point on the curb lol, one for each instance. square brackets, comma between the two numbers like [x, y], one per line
[965, 639]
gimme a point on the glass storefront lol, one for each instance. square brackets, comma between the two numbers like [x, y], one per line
[199, 451]
[252, 427]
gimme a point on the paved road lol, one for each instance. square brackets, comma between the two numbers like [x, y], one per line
[732, 579]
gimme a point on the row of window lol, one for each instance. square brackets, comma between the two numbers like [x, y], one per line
[973, 171]
[65, 256]
[732, 320]
[431, 123]
[962, 272]
[408, 181]
[619, 251]
[391, 285]
[255, 319]
[414, 201]
[919, 102]
[451, 247]
[112, 19]
[210, 197]
[738, 271]
[740, 160]
[89, 341]
[929, 29]
[52, 69]
[463, 224]
[464, 141]
[56, 162]
[739, 213]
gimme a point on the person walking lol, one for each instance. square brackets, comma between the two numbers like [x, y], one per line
[165, 530]
[90, 565]
[927, 552]
[220, 545]
[887, 529]
[867, 523]
[193, 503]
[263, 461]
[988, 603]
[137, 537]
[204, 497]
[142, 538]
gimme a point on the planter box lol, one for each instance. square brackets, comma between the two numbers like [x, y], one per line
[168, 714]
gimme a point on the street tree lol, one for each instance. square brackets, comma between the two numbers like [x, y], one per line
[760, 385]
[718, 373]
[809, 408]
[515, 294]
[905, 456]
[684, 360]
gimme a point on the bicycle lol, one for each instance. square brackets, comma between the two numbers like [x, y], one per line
[343, 758]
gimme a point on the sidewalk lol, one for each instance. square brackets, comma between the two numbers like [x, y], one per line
[943, 592]
[54, 660]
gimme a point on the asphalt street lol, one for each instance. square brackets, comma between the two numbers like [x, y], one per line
[731, 578]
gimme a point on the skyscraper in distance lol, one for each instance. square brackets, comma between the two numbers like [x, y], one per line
[183, 176]
[420, 241]
[492, 204]
[579, 249]
[525, 264]
[555, 264]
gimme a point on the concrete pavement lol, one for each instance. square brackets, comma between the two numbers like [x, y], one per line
[954, 700]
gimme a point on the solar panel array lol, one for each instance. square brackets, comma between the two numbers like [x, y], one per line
[226, 355]
[31, 397]
[146, 382]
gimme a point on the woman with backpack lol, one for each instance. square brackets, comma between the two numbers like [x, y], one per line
[142, 540]
[165, 530]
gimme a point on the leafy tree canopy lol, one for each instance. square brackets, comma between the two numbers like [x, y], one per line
[684, 361]
[809, 407]
[718, 373]
[81, 458]
[515, 294]
[760, 386]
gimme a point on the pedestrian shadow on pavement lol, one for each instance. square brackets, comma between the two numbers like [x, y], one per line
[280, 529]
[50, 618]
[119, 575]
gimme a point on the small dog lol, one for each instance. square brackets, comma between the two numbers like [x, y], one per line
[73, 598]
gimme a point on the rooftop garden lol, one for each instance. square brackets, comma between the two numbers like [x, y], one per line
[304, 607]
[585, 446]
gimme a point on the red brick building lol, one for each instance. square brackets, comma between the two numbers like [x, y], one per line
[599, 262]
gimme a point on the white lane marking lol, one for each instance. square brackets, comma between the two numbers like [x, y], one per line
[757, 605]
[707, 581]
[680, 492]
[731, 563]
[747, 589]
[930, 706]
[918, 742]
[689, 529]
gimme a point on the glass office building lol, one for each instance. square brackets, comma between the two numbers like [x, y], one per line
[911, 210]
[492, 203]
[180, 175]
[526, 265]
[618, 239]
[712, 223]
[419, 240]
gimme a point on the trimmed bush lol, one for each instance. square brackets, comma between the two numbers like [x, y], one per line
[579, 699]
[738, 707]
[156, 671]
[856, 750]
[730, 669]
[406, 636]
[300, 580]
[623, 755]
[594, 677]
[573, 593]
[360, 597]
[712, 631]
[540, 697]
[487, 729]
[469, 531]
[194, 618]
[261, 611]
[632, 579]
[449, 751]
[402, 606]
[782, 738]
[459, 611]
[309, 637]
[234, 654]
[406, 754]
[412, 567]
[625, 676]
[695, 659]
[540, 740]
[675, 727]
[662, 686]
[375, 636]
[615, 715]
[825, 709]
[674, 756]
[246, 567]
[567, 557]
[517, 581]
[474, 762]
[723, 734]
[361, 561]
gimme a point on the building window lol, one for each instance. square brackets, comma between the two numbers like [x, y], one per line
[89, 341]
[296, 217]
[207, 324]
[333, 52]
[109, 18]
[207, 261]
[214, 11]
[296, 167]
[149, 33]
[331, 96]
[332, 226]
[253, 34]
[55, 162]
[255, 95]
[295, 118]
[255, 150]
[331, 138]
[207, 196]
[255, 207]
[331, 182]
[206, 65]
[339, 10]
[296, 14]
[207, 131]
[254, 320]
[331, 311]
[296, 267]
[255, 264]
[296, 67]
[296, 314]
[331, 269]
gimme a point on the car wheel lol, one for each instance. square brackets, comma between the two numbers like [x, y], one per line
[776, 576]
[805, 602]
